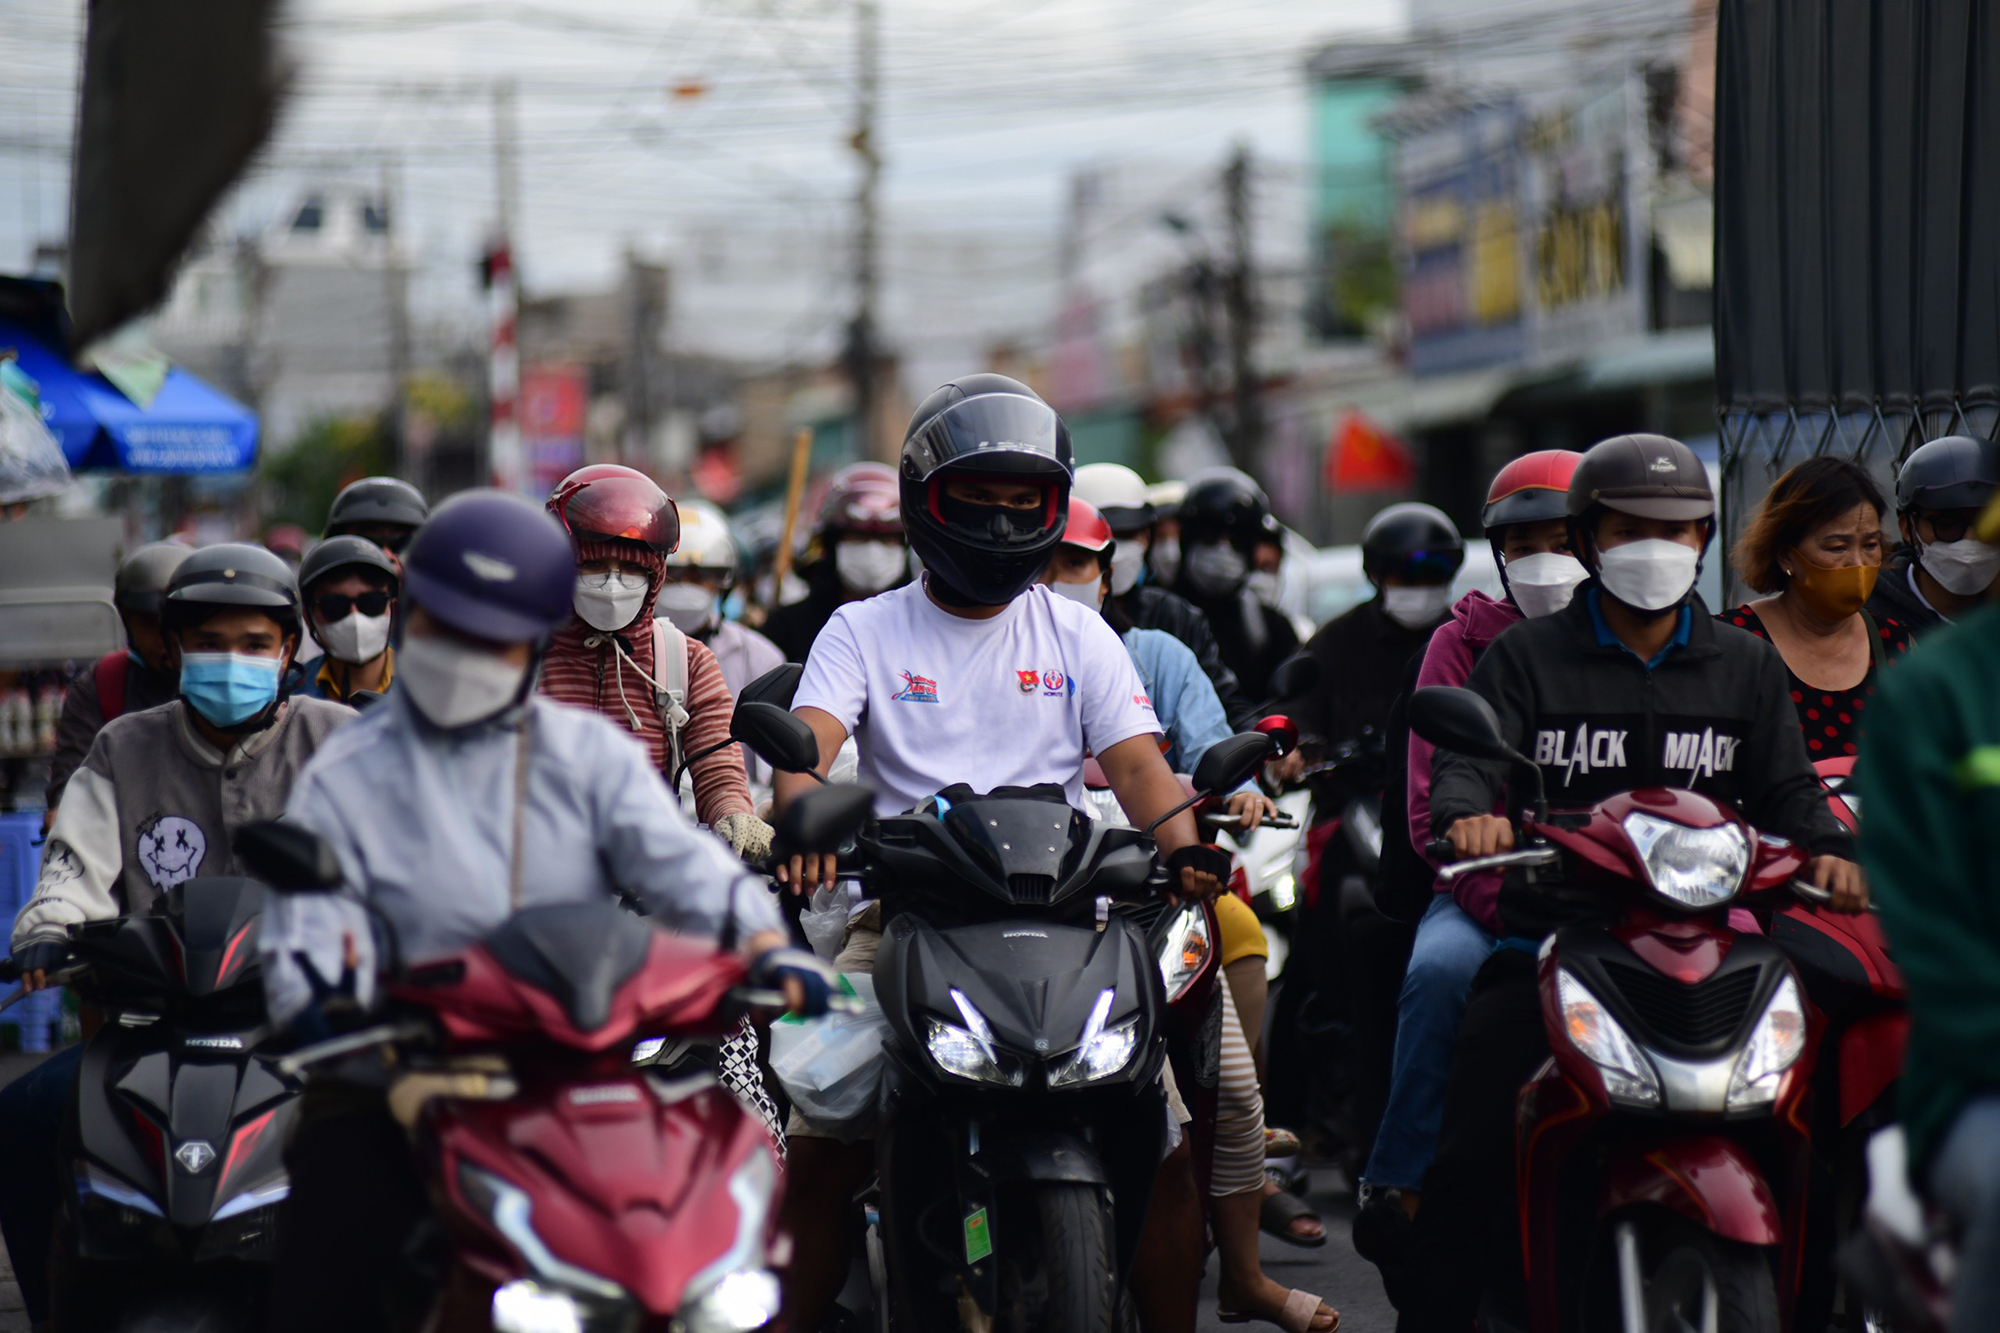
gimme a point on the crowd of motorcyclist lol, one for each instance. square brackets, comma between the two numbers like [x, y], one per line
[496, 704]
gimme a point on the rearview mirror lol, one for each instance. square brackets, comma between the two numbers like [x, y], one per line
[1227, 764]
[776, 686]
[775, 736]
[1452, 718]
[1283, 732]
[1296, 677]
[287, 858]
[822, 819]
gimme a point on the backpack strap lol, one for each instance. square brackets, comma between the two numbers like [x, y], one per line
[670, 673]
[1878, 656]
[110, 674]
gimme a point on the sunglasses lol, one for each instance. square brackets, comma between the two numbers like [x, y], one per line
[334, 606]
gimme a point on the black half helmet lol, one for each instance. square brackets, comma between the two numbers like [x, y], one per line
[1951, 472]
[374, 501]
[337, 553]
[143, 576]
[232, 574]
[991, 426]
[1223, 502]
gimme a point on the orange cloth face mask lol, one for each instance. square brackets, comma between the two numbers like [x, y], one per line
[1832, 594]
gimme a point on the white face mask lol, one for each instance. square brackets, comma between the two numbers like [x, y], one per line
[1543, 583]
[1650, 575]
[609, 602]
[1128, 557]
[354, 638]
[869, 567]
[1414, 608]
[1091, 594]
[689, 606]
[1216, 568]
[1263, 585]
[1964, 567]
[454, 684]
[1167, 558]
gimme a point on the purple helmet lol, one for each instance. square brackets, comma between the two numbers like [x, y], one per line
[494, 566]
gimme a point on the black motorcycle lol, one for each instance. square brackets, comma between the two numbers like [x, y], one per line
[171, 1149]
[1026, 957]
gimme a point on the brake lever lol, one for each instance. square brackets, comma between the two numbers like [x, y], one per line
[362, 1039]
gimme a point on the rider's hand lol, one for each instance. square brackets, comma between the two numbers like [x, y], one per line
[1287, 770]
[807, 980]
[1198, 871]
[37, 961]
[1843, 879]
[1480, 835]
[1251, 808]
[811, 871]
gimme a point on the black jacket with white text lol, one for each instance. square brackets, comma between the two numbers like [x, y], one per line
[1715, 717]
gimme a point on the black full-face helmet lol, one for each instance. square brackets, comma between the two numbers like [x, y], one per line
[1225, 504]
[987, 426]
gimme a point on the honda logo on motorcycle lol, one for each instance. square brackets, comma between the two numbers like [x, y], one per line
[194, 1156]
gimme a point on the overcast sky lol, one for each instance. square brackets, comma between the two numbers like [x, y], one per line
[987, 108]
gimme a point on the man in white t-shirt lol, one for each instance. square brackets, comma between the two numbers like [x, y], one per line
[977, 675]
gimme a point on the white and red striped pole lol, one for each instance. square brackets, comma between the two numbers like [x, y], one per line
[504, 373]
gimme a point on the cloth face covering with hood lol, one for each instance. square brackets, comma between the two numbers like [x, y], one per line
[1650, 575]
[1216, 568]
[611, 601]
[1413, 608]
[1963, 567]
[869, 567]
[691, 607]
[229, 688]
[355, 638]
[1543, 583]
[455, 684]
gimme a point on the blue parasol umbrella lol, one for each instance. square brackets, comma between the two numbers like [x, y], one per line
[188, 427]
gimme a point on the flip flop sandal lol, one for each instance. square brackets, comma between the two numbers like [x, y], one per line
[1277, 1213]
[1301, 1307]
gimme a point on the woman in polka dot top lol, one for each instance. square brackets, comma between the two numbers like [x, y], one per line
[1815, 544]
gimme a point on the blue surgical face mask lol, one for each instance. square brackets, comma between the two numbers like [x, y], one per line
[229, 688]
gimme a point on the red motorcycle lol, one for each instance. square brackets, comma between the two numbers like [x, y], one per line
[1663, 1152]
[579, 1192]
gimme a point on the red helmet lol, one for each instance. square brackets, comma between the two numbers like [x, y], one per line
[609, 502]
[1532, 489]
[1087, 527]
[863, 497]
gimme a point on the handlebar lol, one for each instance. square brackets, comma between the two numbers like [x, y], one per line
[1524, 856]
[1226, 820]
[1439, 849]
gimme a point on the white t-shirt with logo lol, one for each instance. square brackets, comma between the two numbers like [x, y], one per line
[932, 699]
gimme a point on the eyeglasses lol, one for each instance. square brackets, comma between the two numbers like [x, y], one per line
[1949, 525]
[334, 606]
[626, 580]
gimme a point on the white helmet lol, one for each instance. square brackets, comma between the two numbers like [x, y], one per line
[1118, 493]
[705, 539]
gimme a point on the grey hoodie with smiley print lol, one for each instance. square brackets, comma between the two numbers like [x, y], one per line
[155, 805]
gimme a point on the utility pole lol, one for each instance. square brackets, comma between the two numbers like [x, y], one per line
[1246, 434]
[504, 447]
[396, 297]
[861, 334]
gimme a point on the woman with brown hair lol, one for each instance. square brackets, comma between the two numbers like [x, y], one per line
[1815, 545]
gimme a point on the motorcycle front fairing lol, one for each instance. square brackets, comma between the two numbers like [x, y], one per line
[174, 1139]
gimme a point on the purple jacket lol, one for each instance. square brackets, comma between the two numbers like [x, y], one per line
[1475, 622]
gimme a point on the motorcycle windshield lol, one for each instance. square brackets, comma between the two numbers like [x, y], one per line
[1028, 846]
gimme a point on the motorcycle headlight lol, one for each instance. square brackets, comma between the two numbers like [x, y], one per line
[1278, 880]
[1698, 867]
[1775, 1045]
[1103, 1051]
[648, 1050]
[970, 1052]
[1628, 1075]
[1184, 953]
[741, 1302]
[530, 1307]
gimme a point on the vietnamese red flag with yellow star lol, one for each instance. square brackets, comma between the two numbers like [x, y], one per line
[1362, 457]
